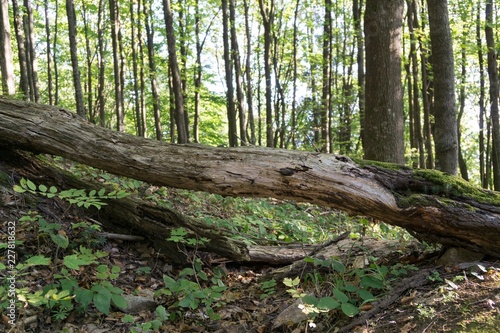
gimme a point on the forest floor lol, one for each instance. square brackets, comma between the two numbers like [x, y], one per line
[421, 297]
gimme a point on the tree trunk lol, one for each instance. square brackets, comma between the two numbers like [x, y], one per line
[182, 135]
[152, 71]
[445, 120]
[228, 68]
[384, 123]
[494, 92]
[117, 63]
[6, 57]
[435, 207]
[267, 12]
[70, 10]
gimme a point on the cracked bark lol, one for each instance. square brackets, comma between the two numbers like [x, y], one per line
[432, 206]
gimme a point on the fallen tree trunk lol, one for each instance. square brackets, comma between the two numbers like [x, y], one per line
[433, 206]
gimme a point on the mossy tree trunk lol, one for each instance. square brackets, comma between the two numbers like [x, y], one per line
[431, 205]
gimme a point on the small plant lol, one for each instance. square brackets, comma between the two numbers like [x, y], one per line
[268, 288]
[73, 196]
[161, 315]
[435, 277]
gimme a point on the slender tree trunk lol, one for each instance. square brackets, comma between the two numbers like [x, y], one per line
[50, 86]
[21, 50]
[426, 103]
[494, 91]
[152, 71]
[445, 120]
[235, 55]
[142, 82]
[327, 84]
[183, 50]
[482, 109]
[135, 71]
[267, 12]
[248, 74]
[461, 99]
[70, 10]
[182, 136]
[295, 75]
[6, 57]
[117, 60]
[55, 58]
[360, 61]
[231, 106]
[101, 101]
[89, 86]
[414, 93]
[30, 52]
[384, 130]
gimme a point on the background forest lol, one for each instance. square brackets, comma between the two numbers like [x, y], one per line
[287, 74]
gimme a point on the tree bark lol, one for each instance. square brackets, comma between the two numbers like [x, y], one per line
[384, 117]
[445, 120]
[435, 207]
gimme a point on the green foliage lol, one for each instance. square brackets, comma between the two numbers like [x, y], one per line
[350, 288]
[73, 196]
[268, 288]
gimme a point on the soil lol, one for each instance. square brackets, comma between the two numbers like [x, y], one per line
[457, 298]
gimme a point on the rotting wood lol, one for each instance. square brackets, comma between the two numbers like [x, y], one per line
[445, 211]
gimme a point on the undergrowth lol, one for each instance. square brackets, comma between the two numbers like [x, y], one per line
[78, 277]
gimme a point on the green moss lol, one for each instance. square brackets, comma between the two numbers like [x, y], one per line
[454, 187]
[383, 165]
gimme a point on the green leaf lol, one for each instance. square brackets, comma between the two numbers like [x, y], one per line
[102, 302]
[31, 185]
[119, 301]
[101, 192]
[310, 299]
[53, 189]
[60, 240]
[19, 189]
[327, 303]
[349, 310]
[340, 296]
[366, 295]
[37, 260]
[161, 313]
[42, 188]
[74, 261]
[128, 319]
[84, 297]
[371, 282]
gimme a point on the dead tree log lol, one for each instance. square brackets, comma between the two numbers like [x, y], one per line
[433, 206]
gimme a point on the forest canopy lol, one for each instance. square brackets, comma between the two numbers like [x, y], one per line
[287, 74]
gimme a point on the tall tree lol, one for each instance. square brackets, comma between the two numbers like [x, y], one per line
[182, 136]
[102, 65]
[482, 167]
[383, 126]
[152, 70]
[29, 32]
[70, 10]
[50, 86]
[231, 106]
[267, 13]
[117, 64]
[445, 120]
[238, 76]
[21, 49]
[248, 73]
[357, 7]
[494, 91]
[6, 58]
[327, 83]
